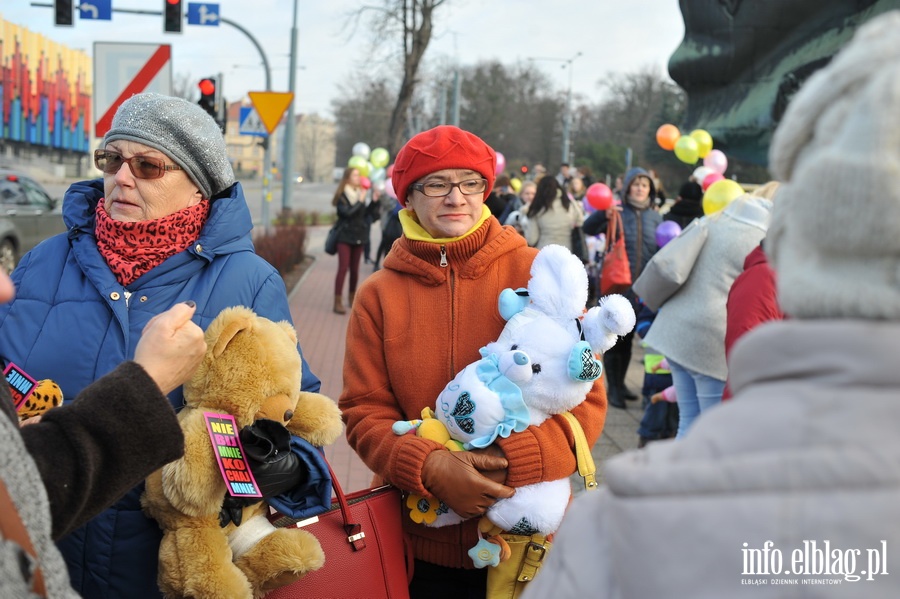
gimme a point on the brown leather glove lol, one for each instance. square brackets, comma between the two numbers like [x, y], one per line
[454, 478]
[497, 475]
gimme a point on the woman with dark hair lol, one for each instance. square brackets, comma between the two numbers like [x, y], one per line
[350, 201]
[639, 221]
[552, 215]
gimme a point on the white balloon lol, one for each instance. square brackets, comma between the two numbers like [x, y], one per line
[700, 173]
[361, 149]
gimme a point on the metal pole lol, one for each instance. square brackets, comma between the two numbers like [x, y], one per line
[567, 123]
[267, 154]
[287, 169]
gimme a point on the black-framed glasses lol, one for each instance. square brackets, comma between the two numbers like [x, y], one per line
[440, 189]
[142, 167]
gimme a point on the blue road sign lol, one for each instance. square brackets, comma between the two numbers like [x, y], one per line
[100, 10]
[203, 14]
[250, 123]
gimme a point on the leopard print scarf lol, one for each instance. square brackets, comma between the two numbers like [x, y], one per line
[132, 249]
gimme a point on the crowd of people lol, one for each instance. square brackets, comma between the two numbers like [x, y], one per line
[785, 303]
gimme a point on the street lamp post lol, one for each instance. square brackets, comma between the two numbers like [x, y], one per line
[567, 126]
[567, 119]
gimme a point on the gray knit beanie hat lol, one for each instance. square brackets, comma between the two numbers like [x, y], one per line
[182, 131]
[834, 240]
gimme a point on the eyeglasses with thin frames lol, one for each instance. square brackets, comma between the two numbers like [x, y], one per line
[440, 189]
[142, 167]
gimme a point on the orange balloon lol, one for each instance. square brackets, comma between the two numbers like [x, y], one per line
[666, 136]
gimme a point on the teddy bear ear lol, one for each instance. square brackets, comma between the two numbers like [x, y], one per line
[225, 327]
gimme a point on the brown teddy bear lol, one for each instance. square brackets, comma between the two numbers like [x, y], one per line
[251, 370]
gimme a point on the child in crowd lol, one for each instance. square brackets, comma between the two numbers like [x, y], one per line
[660, 420]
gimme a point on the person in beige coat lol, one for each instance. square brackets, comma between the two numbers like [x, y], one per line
[792, 488]
[552, 215]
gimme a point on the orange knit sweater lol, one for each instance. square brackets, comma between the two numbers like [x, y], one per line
[416, 324]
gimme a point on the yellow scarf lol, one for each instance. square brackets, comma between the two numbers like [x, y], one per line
[414, 231]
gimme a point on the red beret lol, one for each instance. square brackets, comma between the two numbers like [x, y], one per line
[443, 147]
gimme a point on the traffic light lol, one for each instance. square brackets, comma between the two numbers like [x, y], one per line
[208, 96]
[524, 169]
[212, 102]
[62, 10]
[173, 11]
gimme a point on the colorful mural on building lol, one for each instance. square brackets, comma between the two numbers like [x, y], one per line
[45, 89]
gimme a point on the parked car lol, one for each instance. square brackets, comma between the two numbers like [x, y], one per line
[28, 215]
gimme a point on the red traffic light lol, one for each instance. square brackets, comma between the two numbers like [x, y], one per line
[207, 87]
[524, 169]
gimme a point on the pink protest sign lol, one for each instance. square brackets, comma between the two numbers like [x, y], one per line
[230, 455]
[20, 384]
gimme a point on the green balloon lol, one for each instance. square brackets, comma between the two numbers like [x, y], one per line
[379, 158]
[686, 149]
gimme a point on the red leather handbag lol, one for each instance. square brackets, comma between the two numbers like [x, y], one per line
[364, 544]
[615, 275]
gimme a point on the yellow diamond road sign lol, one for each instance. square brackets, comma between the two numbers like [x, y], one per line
[270, 106]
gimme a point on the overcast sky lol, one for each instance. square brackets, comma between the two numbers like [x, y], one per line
[614, 36]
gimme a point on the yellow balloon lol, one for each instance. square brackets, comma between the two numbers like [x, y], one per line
[686, 149]
[516, 184]
[720, 194]
[704, 142]
[360, 164]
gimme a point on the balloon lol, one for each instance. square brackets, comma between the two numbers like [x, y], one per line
[360, 164]
[717, 161]
[666, 136]
[389, 189]
[704, 141]
[666, 232]
[379, 157]
[586, 206]
[501, 163]
[361, 149]
[516, 184]
[710, 179]
[378, 185]
[365, 182]
[686, 149]
[377, 174]
[720, 194]
[700, 173]
[600, 196]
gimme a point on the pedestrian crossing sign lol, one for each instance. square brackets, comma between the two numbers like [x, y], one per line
[250, 123]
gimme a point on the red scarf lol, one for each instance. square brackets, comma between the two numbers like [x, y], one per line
[132, 249]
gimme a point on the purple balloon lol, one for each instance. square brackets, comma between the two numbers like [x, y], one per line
[666, 232]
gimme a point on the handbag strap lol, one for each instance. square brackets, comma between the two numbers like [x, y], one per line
[613, 226]
[586, 467]
[356, 536]
[12, 528]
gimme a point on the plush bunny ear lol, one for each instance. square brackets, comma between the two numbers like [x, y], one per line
[614, 317]
[559, 283]
[512, 301]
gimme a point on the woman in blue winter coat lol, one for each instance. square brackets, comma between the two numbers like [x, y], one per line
[639, 221]
[166, 224]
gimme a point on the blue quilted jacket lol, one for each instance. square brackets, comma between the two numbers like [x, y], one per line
[73, 322]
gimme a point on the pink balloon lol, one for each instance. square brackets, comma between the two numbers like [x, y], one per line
[365, 182]
[389, 189]
[710, 179]
[717, 161]
[600, 196]
[389, 171]
[501, 163]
